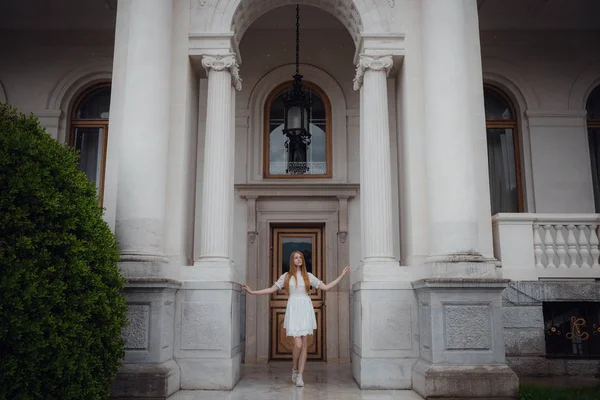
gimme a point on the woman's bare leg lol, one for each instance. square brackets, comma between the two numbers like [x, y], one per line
[303, 354]
[297, 350]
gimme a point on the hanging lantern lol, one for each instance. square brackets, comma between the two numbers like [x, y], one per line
[297, 103]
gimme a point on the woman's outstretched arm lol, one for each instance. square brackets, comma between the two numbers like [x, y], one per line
[326, 286]
[270, 290]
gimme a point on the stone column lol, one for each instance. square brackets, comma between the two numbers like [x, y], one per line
[461, 347]
[382, 358]
[144, 134]
[141, 105]
[375, 169]
[208, 317]
[216, 226]
[448, 56]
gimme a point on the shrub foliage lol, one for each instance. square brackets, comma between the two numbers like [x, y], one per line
[61, 307]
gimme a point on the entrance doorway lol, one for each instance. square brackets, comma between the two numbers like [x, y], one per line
[310, 241]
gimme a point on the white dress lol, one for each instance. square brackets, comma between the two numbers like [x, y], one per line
[300, 317]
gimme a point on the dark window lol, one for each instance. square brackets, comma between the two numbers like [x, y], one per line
[502, 145]
[89, 133]
[593, 125]
[281, 161]
[572, 329]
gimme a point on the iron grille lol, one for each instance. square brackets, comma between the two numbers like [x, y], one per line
[572, 330]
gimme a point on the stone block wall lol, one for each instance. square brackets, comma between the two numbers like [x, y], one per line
[524, 330]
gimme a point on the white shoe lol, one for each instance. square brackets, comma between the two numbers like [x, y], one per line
[299, 381]
[294, 375]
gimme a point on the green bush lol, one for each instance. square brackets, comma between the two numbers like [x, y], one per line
[535, 392]
[61, 307]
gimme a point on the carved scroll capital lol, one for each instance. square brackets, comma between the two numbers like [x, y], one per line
[221, 62]
[374, 63]
[343, 236]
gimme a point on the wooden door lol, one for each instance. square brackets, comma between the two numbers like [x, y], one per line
[310, 241]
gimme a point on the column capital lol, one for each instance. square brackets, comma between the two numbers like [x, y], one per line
[220, 62]
[372, 62]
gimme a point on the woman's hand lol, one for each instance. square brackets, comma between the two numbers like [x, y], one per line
[247, 289]
[346, 270]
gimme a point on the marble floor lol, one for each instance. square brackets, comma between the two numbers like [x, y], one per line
[272, 381]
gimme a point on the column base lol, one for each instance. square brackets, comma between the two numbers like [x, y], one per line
[462, 265]
[210, 374]
[382, 373]
[211, 270]
[146, 381]
[464, 382]
[208, 335]
[461, 340]
[384, 326]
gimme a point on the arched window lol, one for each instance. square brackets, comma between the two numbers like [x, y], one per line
[89, 133]
[503, 152]
[593, 124]
[283, 160]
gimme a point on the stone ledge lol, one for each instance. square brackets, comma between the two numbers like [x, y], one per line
[465, 382]
[145, 381]
[461, 283]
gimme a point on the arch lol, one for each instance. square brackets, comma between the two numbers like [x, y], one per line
[71, 85]
[258, 96]
[356, 15]
[3, 97]
[586, 81]
[77, 80]
[508, 77]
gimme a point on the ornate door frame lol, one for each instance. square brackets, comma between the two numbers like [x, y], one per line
[276, 204]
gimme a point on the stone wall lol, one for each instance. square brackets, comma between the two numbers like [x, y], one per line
[524, 331]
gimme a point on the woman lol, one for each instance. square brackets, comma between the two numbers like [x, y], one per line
[300, 319]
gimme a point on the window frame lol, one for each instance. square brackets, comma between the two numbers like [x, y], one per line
[513, 124]
[593, 124]
[91, 123]
[266, 133]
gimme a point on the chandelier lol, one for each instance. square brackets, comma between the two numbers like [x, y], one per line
[297, 103]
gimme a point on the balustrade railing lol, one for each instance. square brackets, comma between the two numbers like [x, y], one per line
[531, 246]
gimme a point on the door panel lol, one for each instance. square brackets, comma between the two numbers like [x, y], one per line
[285, 240]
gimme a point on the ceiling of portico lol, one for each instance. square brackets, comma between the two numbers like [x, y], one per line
[539, 14]
[58, 14]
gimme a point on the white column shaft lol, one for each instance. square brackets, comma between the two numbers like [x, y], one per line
[216, 226]
[144, 130]
[375, 169]
[449, 128]
[217, 192]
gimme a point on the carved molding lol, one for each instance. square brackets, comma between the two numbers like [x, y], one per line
[255, 191]
[221, 62]
[374, 63]
[252, 237]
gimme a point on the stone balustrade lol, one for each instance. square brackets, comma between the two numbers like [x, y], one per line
[532, 246]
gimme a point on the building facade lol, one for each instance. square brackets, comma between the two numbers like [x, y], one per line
[453, 163]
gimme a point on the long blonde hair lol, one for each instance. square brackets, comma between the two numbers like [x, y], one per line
[293, 271]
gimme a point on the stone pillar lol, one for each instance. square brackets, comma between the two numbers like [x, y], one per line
[375, 169]
[216, 226]
[449, 134]
[461, 343]
[144, 134]
[383, 348]
[141, 130]
[208, 313]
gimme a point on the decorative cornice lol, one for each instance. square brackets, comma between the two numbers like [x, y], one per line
[306, 190]
[374, 63]
[221, 62]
